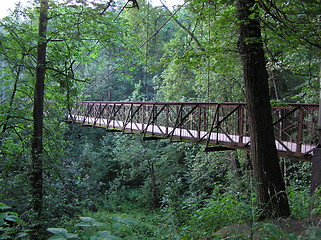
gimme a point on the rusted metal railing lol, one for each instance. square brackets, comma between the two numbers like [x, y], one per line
[215, 124]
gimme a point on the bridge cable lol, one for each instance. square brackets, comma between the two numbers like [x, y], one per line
[146, 52]
[143, 44]
[157, 31]
[208, 71]
[134, 5]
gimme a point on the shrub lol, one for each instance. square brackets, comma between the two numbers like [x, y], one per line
[220, 211]
[11, 224]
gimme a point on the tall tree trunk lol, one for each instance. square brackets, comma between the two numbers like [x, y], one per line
[155, 193]
[232, 156]
[271, 187]
[37, 141]
[316, 169]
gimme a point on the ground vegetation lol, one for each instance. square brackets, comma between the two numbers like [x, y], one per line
[86, 183]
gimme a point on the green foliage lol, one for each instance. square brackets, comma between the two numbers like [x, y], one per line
[88, 222]
[60, 233]
[198, 193]
[204, 67]
[103, 235]
[300, 201]
[7, 216]
[136, 225]
[314, 233]
[11, 225]
[222, 210]
[119, 227]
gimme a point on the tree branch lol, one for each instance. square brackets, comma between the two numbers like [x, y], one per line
[185, 28]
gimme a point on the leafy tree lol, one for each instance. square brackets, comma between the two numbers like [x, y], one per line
[30, 59]
[293, 52]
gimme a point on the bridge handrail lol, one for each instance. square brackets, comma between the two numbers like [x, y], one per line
[295, 124]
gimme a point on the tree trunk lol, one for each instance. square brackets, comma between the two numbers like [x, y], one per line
[155, 193]
[37, 141]
[271, 187]
[232, 155]
[316, 169]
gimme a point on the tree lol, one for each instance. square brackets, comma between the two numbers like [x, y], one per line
[291, 38]
[38, 114]
[42, 66]
[271, 186]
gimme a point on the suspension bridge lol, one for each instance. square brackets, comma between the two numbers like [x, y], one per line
[219, 126]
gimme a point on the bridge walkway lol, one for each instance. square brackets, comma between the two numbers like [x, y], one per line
[217, 125]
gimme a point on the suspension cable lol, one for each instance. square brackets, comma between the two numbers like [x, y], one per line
[143, 44]
[146, 53]
[157, 31]
[96, 83]
[208, 58]
[121, 10]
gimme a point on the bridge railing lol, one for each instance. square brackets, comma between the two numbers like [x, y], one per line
[210, 123]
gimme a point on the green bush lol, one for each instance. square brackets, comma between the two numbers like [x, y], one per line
[220, 211]
[11, 224]
[299, 203]
[136, 226]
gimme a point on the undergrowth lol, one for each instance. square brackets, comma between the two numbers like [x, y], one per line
[223, 216]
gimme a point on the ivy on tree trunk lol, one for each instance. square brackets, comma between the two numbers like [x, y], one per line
[37, 137]
[270, 183]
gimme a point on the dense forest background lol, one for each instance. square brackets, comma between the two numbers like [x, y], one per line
[121, 186]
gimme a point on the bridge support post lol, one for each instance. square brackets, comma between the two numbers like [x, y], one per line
[315, 183]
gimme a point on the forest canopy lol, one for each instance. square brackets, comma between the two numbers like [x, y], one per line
[55, 53]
